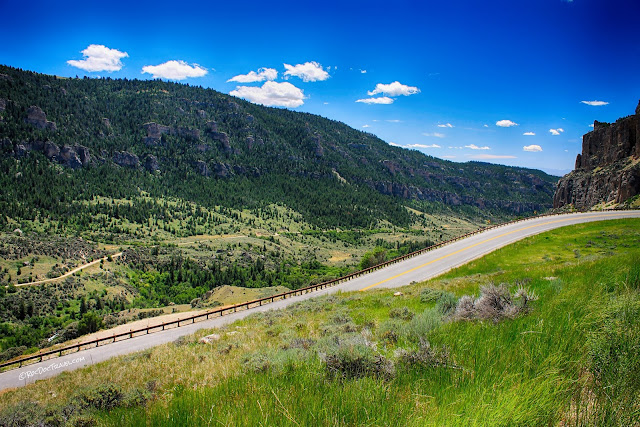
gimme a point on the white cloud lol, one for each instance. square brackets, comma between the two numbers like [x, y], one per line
[262, 75]
[446, 125]
[595, 103]
[423, 146]
[556, 132]
[591, 125]
[99, 58]
[394, 121]
[490, 157]
[475, 147]
[363, 71]
[435, 134]
[394, 89]
[271, 94]
[366, 126]
[532, 148]
[174, 70]
[378, 100]
[485, 126]
[308, 72]
[529, 134]
[448, 157]
[393, 144]
[505, 123]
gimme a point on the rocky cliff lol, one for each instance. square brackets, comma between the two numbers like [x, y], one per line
[608, 169]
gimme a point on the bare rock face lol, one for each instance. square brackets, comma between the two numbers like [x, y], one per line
[607, 170]
[223, 138]
[84, 155]
[221, 170]
[69, 157]
[126, 159]
[155, 132]
[202, 168]
[186, 132]
[37, 118]
[151, 163]
[212, 126]
[51, 150]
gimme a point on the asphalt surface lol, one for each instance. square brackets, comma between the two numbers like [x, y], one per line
[419, 268]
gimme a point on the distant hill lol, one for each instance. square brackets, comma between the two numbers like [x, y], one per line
[68, 140]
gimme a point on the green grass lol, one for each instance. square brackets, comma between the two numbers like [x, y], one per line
[572, 359]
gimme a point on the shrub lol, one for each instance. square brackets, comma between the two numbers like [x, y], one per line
[356, 361]
[12, 352]
[430, 295]
[303, 343]
[101, 397]
[23, 414]
[494, 303]
[401, 313]
[465, 309]
[90, 322]
[425, 356]
[375, 257]
[421, 325]
[389, 331]
[446, 303]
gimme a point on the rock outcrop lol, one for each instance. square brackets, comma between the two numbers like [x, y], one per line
[151, 163]
[37, 118]
[72, 156]
[126, 159]
[202, 168]
[155, 132]
[608, 169]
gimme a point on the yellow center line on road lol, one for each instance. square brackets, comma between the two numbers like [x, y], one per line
[471, 247]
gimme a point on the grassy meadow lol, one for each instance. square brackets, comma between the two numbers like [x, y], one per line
[542, 332]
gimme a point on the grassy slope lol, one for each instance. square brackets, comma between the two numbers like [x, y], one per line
[572, 359]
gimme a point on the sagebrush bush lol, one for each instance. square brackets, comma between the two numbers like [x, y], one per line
[446, 303]
[420, 326]
[425, 355]
[356, 360]
[430, 295]
[494, 303]
[102, 397]
[401, 313]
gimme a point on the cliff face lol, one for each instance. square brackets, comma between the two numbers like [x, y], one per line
[608, 170]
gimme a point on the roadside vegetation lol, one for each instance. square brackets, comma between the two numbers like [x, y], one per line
[158, 273]
[541, 332]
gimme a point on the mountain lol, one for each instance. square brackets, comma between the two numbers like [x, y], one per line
[607, 171]
[65, 141]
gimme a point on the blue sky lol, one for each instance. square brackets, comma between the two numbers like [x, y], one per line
[462, 68]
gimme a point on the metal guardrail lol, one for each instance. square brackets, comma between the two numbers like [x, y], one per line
[249, 304]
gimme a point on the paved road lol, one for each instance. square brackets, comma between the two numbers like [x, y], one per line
[422, 267]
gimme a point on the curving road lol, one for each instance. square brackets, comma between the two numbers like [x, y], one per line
[419, 268]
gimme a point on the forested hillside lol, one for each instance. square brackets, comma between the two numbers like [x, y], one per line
[67, 142]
